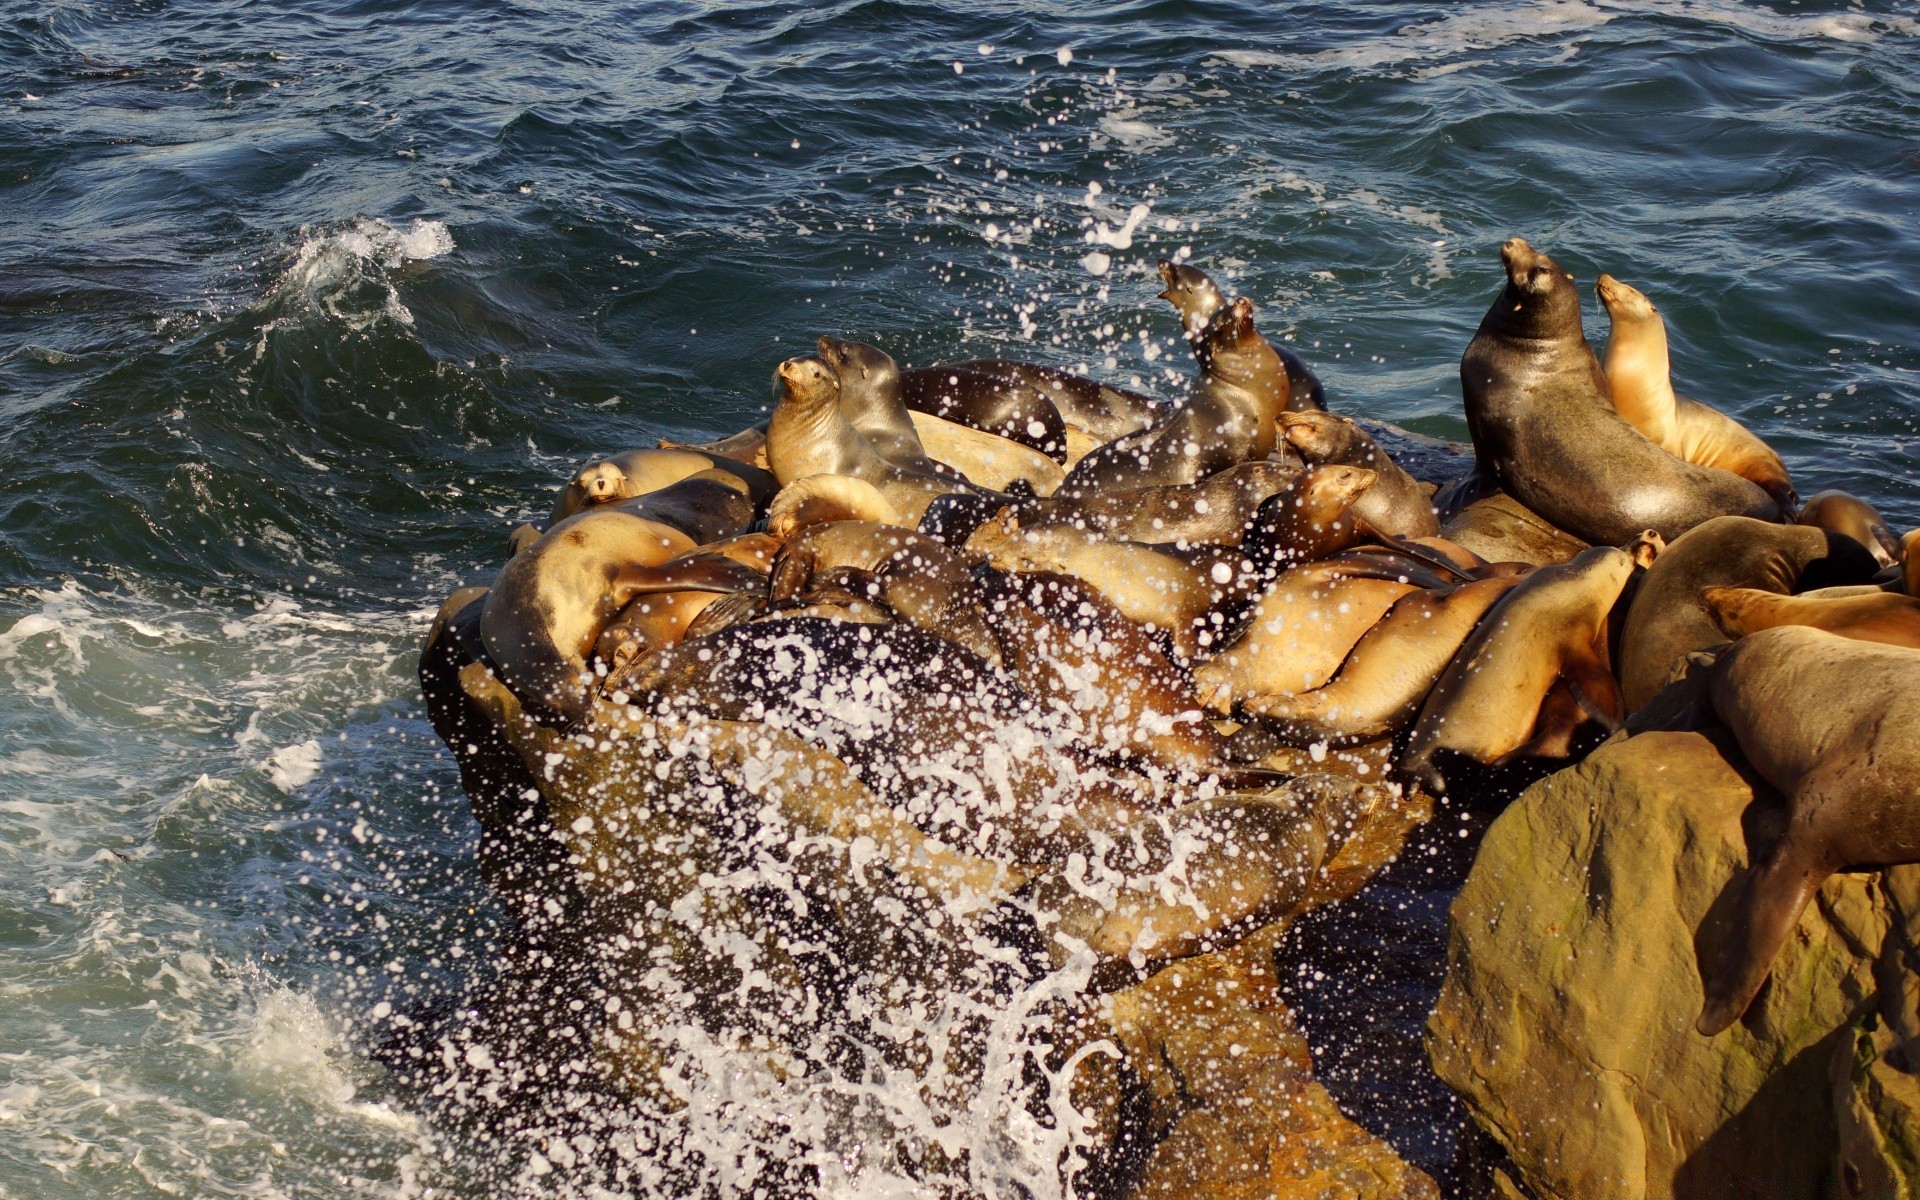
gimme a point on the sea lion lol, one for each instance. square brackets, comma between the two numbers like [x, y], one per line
[1830, 722]
[1216, 509]
[1666, 621]
[1311, 518]
[550, 603]
[1300, 632]
[1094, 410]
[1227, 417]
[923, 581]
[1198, 299]
[649, 622]
[1545, 431]
[989, 403]
[1161, 587]
[985, 458]
[1640, 385]
[1877, 616]
[870, 399]
[1849, 514]
[636, 472]
[1395, 504]
[1387, 675]
[809, 435]
[819, 499]
[1492, 702]
[749, 446]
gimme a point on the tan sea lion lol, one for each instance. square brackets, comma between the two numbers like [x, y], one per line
[1883, 617]
[1227, 417]
[1396, 503]
[636, 472]
[1834, 725]
[1198, 299]
[1299, 634]
[1666, 621]
[809, 435]
[1311, 518]
[1389, 672]
[820, 499]
[1491, 703]
[1848, 514]
[987, 459]
[1640, 385]
[1545, 431]
[748, 446]
[550, 603]
[870, 399]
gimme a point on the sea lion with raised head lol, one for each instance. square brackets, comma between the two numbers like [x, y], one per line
[1198, 300]
[1877, 616]
[809, 435]
[1492, 702]
[1227, 417]
[1395, 504]
[1834, 725]
[1545, 430]
[1849, 514]
[550, 603]
[1388, 674]
[869, 381]
[1311, 518]
[1666, 620]
[1640, 384]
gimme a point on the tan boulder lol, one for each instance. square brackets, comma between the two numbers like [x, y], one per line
[1566, 1017]
[1501, 529]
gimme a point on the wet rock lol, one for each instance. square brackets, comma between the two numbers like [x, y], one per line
[1229, 1080]
[1573, 981]
[1501, 529]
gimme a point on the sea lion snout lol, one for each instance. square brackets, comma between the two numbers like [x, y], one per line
[806, 376]
[1622, 299]
[1527, 268]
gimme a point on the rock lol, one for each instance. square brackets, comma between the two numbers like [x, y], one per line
[1229, 1079]
[1566, 1018]
[1501, 529]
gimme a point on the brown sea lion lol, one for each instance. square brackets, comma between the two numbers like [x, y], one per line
[1301, 630]
[1198, 300]
[1387, 675]
[1848, 514]
[809, 435]
[923, 581]
[1094, 410]
[985, 458]
[1545, 431]
[1878, 616]
[870, 399]
[1641, 387]
[649, 622]
[1227, 417]
[550, 603]
[1666, 621]
[1395, 504]
[1311, 518]
[1831, 723]
[988, 403]
[1492, 702]
[636, 472]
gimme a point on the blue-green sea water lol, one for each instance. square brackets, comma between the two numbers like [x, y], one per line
[303, 306]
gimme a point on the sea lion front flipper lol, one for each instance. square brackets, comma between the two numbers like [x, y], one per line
[1771, 900]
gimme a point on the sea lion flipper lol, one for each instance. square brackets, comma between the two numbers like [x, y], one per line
[1591, 680]
[1769, 907]
[694, 573]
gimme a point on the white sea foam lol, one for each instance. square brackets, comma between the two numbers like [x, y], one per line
[329, 262]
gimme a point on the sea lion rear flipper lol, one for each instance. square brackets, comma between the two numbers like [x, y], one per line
[1769, 907]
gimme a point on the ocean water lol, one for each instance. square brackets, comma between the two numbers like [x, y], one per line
[304, 306]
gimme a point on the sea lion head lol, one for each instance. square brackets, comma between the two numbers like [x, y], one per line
[807, 382]
[860, 367]
[1197, 297]
[600, 482]
[1540, 299]
[1231, 330]
[1310, 520]
[1318, 436]
[1623, 301]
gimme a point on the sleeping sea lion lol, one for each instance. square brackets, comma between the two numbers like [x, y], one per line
[1300, 632]
[1834, 725]
[923, 581]
[1493, 702]
[988, 403]
[1094, 410]
[1227, 417]
[637, 472]
[987, 459]
[1877, 616]
[1641, 388]
[1849, 514]
[1395, 504]
[1311, 518]
[1387, 675]
[1545, 431]
[809, 435]
[819, 499]
[1666, 621]
[1198, 299]
[550, 603]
